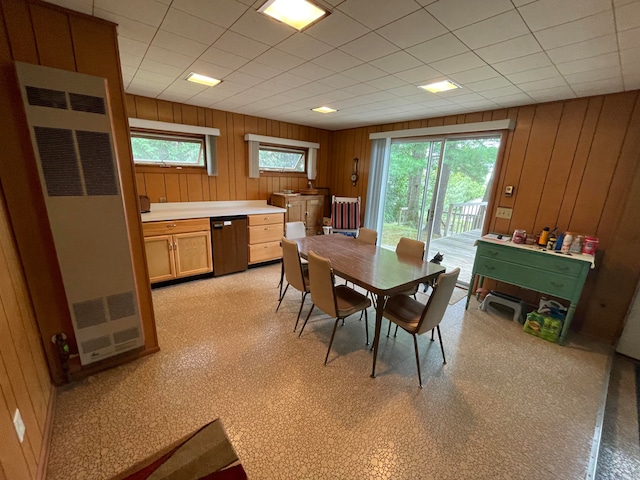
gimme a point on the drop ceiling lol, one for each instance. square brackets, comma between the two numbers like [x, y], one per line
[367, 58]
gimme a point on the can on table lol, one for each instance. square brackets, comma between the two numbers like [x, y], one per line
[590, 245]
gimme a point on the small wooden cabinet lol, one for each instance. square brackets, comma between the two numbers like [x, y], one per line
[177, 249]
[264, 233]
[302, 208]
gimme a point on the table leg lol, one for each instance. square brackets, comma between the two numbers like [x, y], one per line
[376, 338]
[567, 323]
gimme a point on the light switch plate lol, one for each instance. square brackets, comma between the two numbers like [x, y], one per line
[19, 425]
[503, 212]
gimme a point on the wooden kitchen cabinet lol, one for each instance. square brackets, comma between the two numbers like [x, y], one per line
[264, 235]
[302, 208]
[177, 249]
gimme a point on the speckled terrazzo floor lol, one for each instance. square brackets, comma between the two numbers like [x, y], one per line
[619, 457]
[506, 405]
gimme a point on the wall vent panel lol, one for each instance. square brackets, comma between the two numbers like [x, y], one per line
[90, 313]
[95, 344]
[44, 97]
[87, 103]
[121, 305]
[97, 163]
[125, 335]
[59, 162]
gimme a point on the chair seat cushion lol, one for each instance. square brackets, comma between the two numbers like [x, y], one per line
[349, 301]
[404, 311]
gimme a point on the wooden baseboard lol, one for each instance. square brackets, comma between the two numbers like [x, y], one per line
[43, 461]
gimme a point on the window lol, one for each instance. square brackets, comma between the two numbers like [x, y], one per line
[165, 149]
[282, 159]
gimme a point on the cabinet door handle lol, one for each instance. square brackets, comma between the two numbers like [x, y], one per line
[489, 267]
[173, 225]
[266, 218]
[267, 228]
[562, 268]
[170, 246]
[557, 285]
[493, 253]
[288, 205]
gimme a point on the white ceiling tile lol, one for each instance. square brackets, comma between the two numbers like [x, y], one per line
[153, 66]
[493, 30]
[536, 74]
[304, 46]
[209, 69]
[243, 79]
[84, 6]
[549, 13]
[467, 97]
[628, 16]
[629, 39]
[632, 82]
[176, 43]
[480, 105]
[260, 70]
[513, 100]
[376, 13]
[290, 80]
[337, 60]
[521, 64]
[519, 3]
[131, 60]
[311, 71]
[360, 89]
[339, 81]
[548, 83]
[420, 75]
[599, 87]
[290, 95]
[129, 28]
[278, 59]
[163, 55]
[369, 47]
[577, 31]
[222, 58]
[150, 12]
[608, 60]
[240, 45]
[405, 91]
[442, 47]
[385, 83]
[337, 29]
[488, 84]
[593, 76]
[129, 71]
[551, 94]
[458, 63]
[396, 62]
[455, 14]
[499, 93]
[629, 60]
[262, 28]
[220, 12]
[619, 3]
[144, 89]
[188, 26]
[514, 48]
[415, 28]
[474, 75]
[143, 75]
[133, 48]
[364, 72]
[590, 48]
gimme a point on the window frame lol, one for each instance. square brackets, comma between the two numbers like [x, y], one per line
[285, 149]
[186, 137]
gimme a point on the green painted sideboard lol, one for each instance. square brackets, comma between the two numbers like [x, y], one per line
[534, 268]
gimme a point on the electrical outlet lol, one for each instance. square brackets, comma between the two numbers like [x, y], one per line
[163, 199]
[19, 425]
[503, 212]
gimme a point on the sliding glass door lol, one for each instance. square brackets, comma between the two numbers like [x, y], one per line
[437, 191]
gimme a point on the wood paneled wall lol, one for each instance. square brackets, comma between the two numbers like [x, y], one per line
[40, 33]
[232, 181]
[24, 377]
[573, 165]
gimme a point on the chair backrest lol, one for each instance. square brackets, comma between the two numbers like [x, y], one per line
[410, 247]
[345, 213]
[321, 277]
[438, 301]
[293, 230]
[292, 264]
[367, 236]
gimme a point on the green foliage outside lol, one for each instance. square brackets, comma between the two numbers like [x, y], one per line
[281, 161]
[160, 150]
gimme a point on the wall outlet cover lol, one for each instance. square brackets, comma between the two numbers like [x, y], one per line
[504, 212]
[19, 425]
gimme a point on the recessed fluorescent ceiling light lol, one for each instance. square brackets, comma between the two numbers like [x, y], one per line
[295, 13]
[203, 79]
[324, 110]
[440, 86]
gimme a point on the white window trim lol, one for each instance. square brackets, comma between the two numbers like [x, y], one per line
[447, 129]
[254, 150]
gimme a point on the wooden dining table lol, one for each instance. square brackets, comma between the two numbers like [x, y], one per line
[380, 271]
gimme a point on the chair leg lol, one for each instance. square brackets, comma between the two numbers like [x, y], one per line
[331, 341]
[444, 360]
[282, 297]
[366, 325]
[432, 334]
[389, 329]
[306, 320]
[304, 296]
[415, 344]
[281, 276]
[395, 334]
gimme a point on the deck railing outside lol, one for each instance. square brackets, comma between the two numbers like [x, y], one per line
[463, 217]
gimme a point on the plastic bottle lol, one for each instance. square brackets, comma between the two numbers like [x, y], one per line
[566, 243]
[551, 243]
[559, 241]
[576, 245]
[544, 237]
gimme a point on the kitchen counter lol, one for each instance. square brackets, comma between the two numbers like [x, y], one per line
[185, 210]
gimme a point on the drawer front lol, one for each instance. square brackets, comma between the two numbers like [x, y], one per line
[264, 252]
[265, 233]
[554, 263]
[556, 284]
[179, 226]
[267, 219]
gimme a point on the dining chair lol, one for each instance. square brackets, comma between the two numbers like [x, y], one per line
[367, 236]
[417, 318]
[345, 215]
[295, 273]
[292, 230]
[337, 301]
